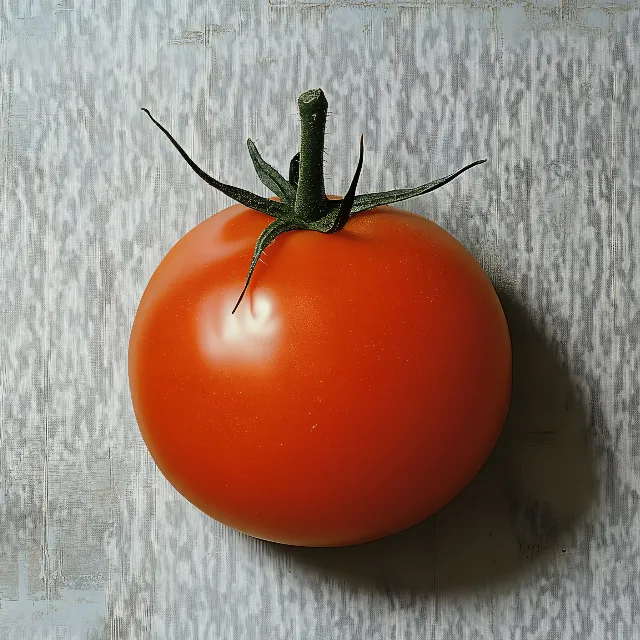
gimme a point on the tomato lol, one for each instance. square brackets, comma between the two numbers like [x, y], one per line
[347, 387]
[359, 387]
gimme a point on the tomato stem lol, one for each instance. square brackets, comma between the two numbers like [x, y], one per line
[303, 202]
[311, 199]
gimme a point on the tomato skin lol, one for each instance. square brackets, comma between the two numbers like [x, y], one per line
[361, 384]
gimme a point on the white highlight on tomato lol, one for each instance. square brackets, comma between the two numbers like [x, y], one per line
[250, 333]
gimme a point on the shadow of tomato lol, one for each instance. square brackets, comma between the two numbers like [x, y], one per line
[522, 509]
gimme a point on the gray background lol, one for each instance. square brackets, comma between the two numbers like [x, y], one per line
[94, 543]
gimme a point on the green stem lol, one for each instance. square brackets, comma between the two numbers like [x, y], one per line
[311, 200]
[303, 202]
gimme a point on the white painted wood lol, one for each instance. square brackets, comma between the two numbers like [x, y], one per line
[94, 543]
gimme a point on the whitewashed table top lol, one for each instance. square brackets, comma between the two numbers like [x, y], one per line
[94, 543]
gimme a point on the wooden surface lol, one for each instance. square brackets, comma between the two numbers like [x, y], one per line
[94, 543]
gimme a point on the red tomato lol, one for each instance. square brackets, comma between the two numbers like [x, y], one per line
[361, 384]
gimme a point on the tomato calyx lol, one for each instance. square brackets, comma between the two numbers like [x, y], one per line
[303, 203]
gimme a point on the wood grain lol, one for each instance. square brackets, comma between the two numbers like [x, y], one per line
[95, 543]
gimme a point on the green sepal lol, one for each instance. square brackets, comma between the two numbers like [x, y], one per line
[270, 177]
[294, 170]
[248, 199]
[270, 233]
[371, 200]
[346, 206]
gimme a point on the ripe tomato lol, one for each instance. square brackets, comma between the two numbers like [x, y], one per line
[360, 385]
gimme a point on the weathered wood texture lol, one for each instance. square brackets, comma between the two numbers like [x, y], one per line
[94, 542]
